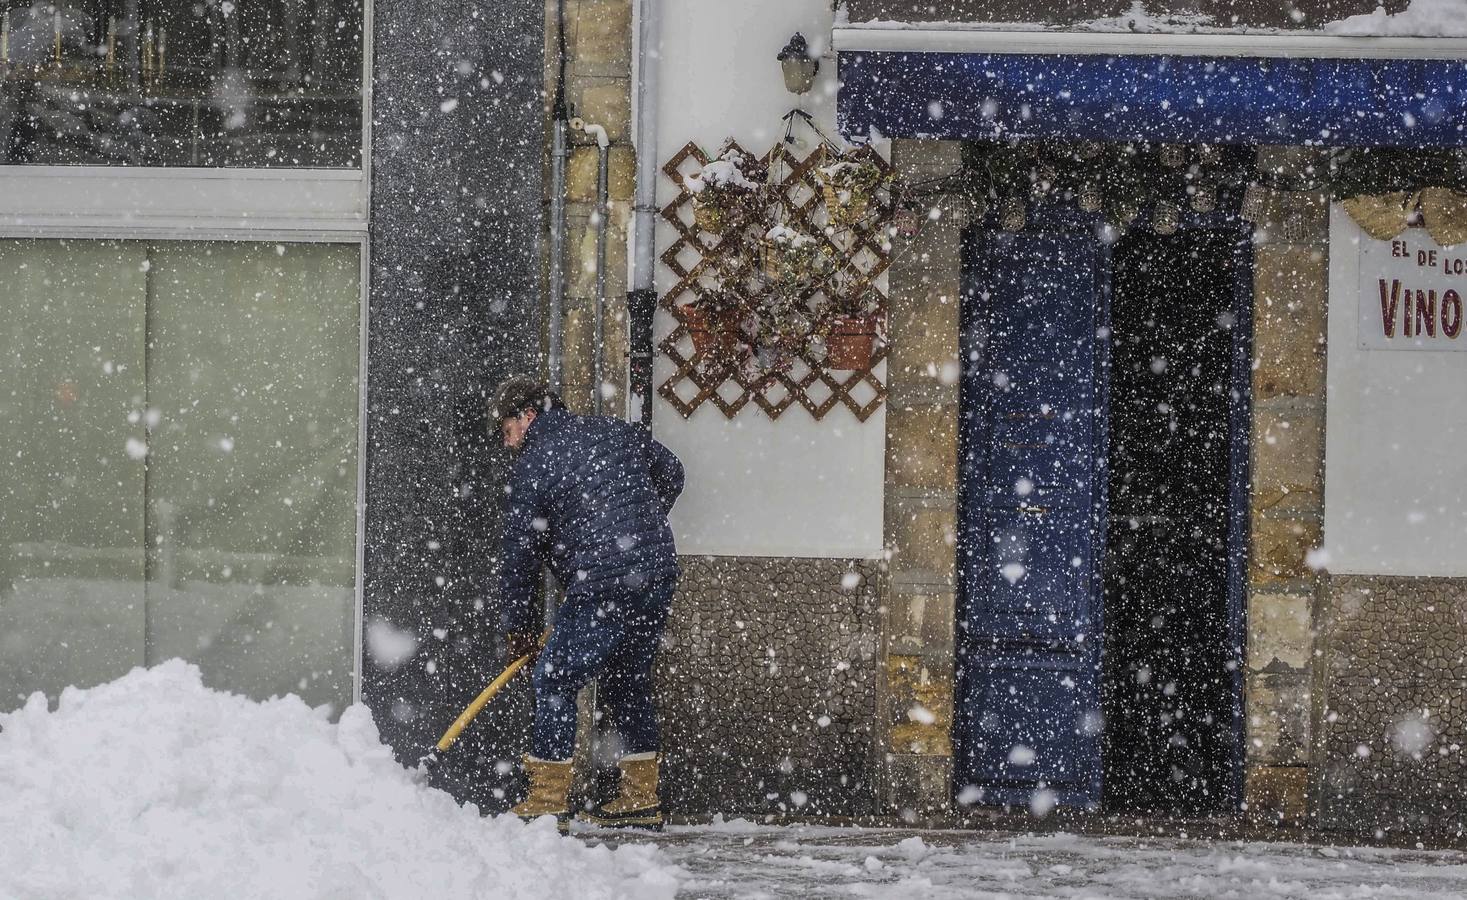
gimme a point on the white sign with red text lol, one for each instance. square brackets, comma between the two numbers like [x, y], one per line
[1411, 294]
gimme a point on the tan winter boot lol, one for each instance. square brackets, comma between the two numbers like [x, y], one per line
[550, 782]
[637, 806]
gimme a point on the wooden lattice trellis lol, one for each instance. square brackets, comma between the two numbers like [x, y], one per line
[710, 267]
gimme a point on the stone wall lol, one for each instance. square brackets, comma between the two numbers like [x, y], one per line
[767, 687]
[1290, 284]
[1393, 704]
[768, 674]
[921, 502]
[598, 37]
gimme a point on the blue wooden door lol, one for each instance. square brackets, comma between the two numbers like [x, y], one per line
[1028, 726]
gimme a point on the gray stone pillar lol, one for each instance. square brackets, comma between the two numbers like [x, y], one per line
[456, 158]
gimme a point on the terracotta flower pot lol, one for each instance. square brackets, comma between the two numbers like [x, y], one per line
[716, 335]
[850, 342]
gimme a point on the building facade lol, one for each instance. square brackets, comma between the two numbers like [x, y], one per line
[1146, 502]
[1206, 603]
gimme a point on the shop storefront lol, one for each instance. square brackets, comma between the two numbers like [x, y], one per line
[1157, 684]
[222, 291]
[182, 461]
[184, 242]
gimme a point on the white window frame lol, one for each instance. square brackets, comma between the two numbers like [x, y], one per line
[218, 204]
[992, 38]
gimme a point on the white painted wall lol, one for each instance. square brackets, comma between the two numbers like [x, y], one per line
[756, 487]
[1395, 493]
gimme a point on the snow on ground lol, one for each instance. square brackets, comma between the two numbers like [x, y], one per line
[744, 861]
[153, 786]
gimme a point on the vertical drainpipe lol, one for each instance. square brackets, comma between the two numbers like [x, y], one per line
[598, 313]
[642, 298]
[555, 351]
[603, 174]
[559, 151]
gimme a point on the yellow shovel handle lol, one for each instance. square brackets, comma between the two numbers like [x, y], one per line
[484, 697]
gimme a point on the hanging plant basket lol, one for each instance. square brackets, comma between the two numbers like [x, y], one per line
[723, 192]
[849, 186]
[791, 258]
[1204, 198]
[716, 218]
[850, 341]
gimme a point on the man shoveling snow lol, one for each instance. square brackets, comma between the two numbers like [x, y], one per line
[590, 497]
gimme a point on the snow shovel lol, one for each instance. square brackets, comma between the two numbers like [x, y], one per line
[432, 758]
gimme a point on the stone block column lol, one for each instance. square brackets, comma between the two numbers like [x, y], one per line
[915, 694]
[455, 308]
[598, 36]
[1291, 283]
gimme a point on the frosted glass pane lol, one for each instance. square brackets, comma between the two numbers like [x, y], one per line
[252, 371]
[71, 494]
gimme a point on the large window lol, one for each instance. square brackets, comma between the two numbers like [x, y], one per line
[261, 83]
[178, 463]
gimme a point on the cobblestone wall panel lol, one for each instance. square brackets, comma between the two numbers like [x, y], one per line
[1394, 723]
[767, 686]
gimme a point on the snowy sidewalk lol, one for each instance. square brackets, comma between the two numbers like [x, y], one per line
[737, 860]
[154, 786]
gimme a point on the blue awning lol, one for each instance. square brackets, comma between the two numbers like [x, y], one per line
[1181, 99]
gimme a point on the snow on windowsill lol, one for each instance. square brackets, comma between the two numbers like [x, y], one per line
[1422, 18]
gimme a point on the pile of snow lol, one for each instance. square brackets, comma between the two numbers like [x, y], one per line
[727, 171]
[1422, 18]
[156, 786]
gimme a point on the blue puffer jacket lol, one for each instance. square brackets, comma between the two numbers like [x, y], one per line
[590, 495]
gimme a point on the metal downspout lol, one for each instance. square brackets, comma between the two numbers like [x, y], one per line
[559, 152]
[598, 312]
[603, 167]
[555, 325]
[555, 351]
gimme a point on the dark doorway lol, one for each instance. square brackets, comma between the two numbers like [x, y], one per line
[1169, 688]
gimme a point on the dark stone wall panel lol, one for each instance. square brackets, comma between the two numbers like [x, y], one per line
[458, 141]
[1394, 715]
[767, 687]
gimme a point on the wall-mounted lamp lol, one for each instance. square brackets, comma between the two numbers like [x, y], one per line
[798, 65]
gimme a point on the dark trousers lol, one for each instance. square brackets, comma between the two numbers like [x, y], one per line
[610, 632]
